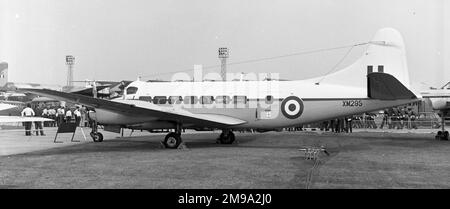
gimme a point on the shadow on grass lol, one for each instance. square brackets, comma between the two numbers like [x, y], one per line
[135, 144]
[334, 142]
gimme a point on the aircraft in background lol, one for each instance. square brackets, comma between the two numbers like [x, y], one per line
[17, 119]
[378, 80]
[440, 101]
[13, 102]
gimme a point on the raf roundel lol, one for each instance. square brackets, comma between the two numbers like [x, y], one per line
[292, 107]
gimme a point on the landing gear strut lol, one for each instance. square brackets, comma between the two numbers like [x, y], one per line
[226, 137]
[173, 139]
[442, 135]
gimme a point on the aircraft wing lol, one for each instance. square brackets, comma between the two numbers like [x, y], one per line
[14, 119]
[140, 108]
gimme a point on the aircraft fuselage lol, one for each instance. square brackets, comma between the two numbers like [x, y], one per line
[263, 104]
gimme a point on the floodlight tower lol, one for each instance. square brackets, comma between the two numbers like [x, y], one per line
[223, 56]
[70, 62]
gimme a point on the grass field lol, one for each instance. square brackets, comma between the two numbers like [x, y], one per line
[268, 160]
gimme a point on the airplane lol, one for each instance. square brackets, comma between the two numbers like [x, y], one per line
[18, 119]
[440, 102]
[87, 90]
[377, 80]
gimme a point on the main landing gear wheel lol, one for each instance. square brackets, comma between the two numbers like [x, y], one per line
[97, 137]
[172, 140]
[227, 137]
[442, 135]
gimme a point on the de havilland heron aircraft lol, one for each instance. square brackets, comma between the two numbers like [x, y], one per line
[440, 102]
[377, 80]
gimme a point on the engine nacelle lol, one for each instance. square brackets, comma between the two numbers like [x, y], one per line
[153, 125]
[103, 116]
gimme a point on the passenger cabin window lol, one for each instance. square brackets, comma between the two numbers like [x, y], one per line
[269, 99]
[175, 100]
[240, 99]
[223, 100]
[207, 99]
[131, 90]
[145, 98]
[159, 100]
[190, 100]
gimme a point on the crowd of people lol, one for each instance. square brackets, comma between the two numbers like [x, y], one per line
[59, 115]
[399, 119]
[338, 125]
[394, 118]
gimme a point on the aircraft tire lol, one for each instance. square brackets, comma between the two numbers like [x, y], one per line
[97, 137]
[172, 141]
[439, 135]
[445, 135]
[100, 137]
[228, 139]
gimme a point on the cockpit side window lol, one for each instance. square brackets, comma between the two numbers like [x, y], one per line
[131, 90]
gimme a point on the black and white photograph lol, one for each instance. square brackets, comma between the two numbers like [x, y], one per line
[254, 95]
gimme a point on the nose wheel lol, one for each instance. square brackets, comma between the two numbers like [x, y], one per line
[442, 135]
[97, 137]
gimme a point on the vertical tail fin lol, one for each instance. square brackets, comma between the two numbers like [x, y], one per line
[386, 53]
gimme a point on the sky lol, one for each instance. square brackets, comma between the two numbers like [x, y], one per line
[127, 39]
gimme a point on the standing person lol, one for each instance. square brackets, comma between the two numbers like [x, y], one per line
[389, 120]
[403, 118]
[38, 124]
[393, 121]
[355, 118]
[68, 116]
[337, 125]
[372, 120]
[349, 128]
[28, 112]
[358, 123]
[60, 114]
[365, 120]
[45, 115]
[77, 114]
[52, 115]
[413, 121]
[342, 125]
[83, 116]
[385, 119]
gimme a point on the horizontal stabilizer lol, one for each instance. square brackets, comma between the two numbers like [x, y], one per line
[386, 87]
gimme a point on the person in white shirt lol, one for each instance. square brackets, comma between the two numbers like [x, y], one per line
[52, 115]
[45, 115]
[77, 114]
[68, 116]
[28, 112]
[60, 114]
